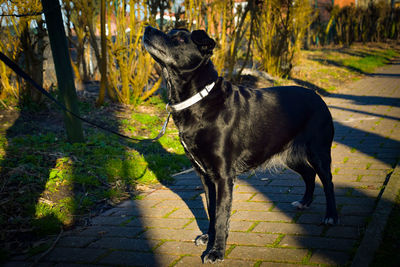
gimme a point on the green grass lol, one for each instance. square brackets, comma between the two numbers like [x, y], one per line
[329, 69]
[52, 183]
[366, 63]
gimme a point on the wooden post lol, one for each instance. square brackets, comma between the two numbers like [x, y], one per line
[61, 58]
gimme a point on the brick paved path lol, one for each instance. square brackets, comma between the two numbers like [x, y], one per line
[158, 229]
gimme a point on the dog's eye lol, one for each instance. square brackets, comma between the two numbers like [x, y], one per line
[180, 38]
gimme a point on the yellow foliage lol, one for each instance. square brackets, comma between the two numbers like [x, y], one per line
[281, 26]
[10, 42]
[130, 66]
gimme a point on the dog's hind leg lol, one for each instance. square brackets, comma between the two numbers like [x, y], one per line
[308, 174]
[217, 240]
[321, 162]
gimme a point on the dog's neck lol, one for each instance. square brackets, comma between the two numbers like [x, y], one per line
[184, 85]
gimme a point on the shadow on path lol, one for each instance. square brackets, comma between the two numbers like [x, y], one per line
[263, 216]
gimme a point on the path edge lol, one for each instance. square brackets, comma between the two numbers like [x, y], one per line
[374, 233]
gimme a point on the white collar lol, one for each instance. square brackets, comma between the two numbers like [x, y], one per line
[194, 99]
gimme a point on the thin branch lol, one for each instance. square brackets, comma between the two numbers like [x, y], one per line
[23, 15]
[50, 248]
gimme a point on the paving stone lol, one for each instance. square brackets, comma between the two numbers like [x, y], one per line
[109, 220]
[179, 203]
[198, 224]
[240, 225]
[189, 213]
[135, 222]
[196, 261]
[63, 264]
[171, 223]
[299, 191]
[196, 181]
[124, 258]
[288, 198]
[251, 239]
[153, 212]
[76, 255]
[372, 193]
[180, 248]
[76, 241]
[167, 194]
[329, 257]
[122, 244]
[375, 179]
[201, 224]
[260, 197]
[262, 216]
[16, 263]
[288, 228]
[265, 253]
[273, 189]
[356, 210]
[282, 264]
[291, 182]
[171, 234]
[353, 220]
[317, 242]
[137, 204]
[347, 200]
[100, 231]
[237, 196]
[310, 218]
[288, 207]
[344, 231]
[251, 205]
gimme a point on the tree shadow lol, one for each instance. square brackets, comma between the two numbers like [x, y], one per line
[48, 184]
[180, 187]
[364, 112]
[23, 173]
[368, 100]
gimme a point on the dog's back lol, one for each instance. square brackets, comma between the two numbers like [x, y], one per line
[266, 122]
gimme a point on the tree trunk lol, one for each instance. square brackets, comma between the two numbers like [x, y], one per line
[103, 66]
[65, 80]
[33, 51]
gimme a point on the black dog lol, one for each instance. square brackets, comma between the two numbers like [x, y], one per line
[227, 130]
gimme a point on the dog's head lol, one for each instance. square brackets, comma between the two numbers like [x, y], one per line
[179, 49]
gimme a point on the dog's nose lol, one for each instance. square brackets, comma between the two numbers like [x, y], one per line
[148, 30]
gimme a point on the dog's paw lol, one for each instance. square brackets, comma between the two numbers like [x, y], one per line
[330, 220]
[201, 240]
[214, 256]
[299, 205]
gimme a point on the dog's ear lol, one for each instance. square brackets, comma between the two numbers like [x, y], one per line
[203, 41]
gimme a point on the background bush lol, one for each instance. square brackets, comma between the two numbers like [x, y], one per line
[266, 34]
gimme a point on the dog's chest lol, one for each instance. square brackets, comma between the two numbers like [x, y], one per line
[190, 153]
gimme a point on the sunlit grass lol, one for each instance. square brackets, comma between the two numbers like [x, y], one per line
[331, 69]
[369, 63]
[52, 183]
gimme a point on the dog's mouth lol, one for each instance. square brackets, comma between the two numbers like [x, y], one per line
[153, 49]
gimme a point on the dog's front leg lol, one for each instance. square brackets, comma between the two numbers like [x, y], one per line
[210, 193]
[222, 209]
